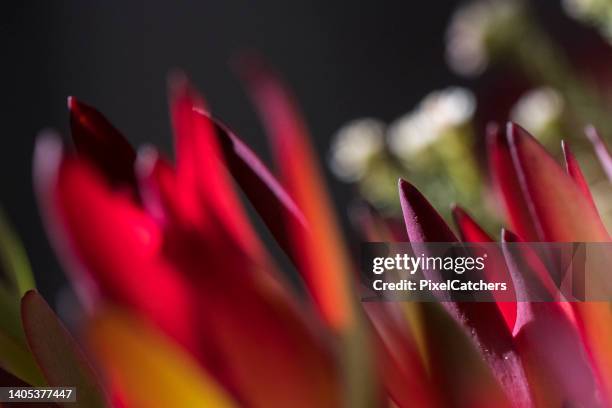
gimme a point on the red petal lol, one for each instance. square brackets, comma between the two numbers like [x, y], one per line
[398, 359]
[468, 228]
[565, 215]
[257, 331]
[260, 186]
[507, 186]
[323, 258]
[483, 320]
[200, 174]
[551, 349]
[423, 222]
[109, 245]
[96, 139]
[472, 232]
[163, 198]
[248, 326]
[557, 205]
[541, 286]
[457, 369]
[573, 170]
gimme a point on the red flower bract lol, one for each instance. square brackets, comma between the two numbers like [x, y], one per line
[176, 249]
[171, 245]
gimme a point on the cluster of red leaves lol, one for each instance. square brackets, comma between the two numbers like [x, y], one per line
[171, 244]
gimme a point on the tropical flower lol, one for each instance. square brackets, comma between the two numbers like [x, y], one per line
[185, 306]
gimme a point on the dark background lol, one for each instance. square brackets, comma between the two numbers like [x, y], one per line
[344, 59]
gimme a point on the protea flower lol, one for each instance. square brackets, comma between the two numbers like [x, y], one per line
[185, 307]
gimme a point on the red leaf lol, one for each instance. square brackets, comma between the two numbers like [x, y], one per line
[57, 353]
[565, 215]
[423, 222]
[549, 344]
[201, 177]
[457, 369]
[108, 244]
[472, 232]
[573, 170]
[323, 259]
[482, 320]
[399, 363]
[468, 228]
[256, 330]
[557, 205]
[507, 186]
[260, 186]
[96, 139]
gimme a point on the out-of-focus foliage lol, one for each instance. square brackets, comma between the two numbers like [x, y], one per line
[553, 100]
[186, 306]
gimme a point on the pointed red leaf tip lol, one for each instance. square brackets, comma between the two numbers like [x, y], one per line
[96, 139]
[200, 173]
[423, 222]
[556, 204]
[469, 229]
[506, 184]
[108, 244]
[472, 232]
[601, 150]
[261, 187]
[573, 170]
[541, 286]
[552, 351]
[323, 257]
[484, 321]
[57, 353]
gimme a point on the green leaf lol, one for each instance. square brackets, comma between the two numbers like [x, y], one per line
[14, 260]
[15, 357]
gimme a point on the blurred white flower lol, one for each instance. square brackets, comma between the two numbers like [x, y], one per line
[538, 109]
[470, 32]
[598, 12]
[578, 8]
[434, 116]
[353, 147]
[585, 8]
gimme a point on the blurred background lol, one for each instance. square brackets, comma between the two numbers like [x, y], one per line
[343, 59]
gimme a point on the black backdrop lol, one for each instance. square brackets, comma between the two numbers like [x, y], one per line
[344, 59]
